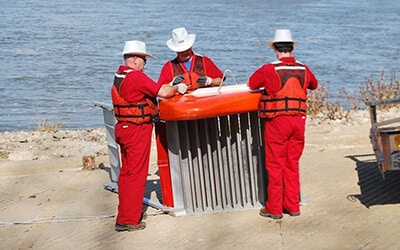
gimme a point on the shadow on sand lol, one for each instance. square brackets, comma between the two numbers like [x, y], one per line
[152, 185]
[376, 189]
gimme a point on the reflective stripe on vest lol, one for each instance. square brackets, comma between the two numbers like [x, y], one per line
[190, 77]
[138, 113]
[291, 98]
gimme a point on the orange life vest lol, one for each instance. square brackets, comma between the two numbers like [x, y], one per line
[292, 97]
[124, 111]
[190, 77]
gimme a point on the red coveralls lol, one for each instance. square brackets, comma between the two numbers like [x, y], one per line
[135, 144]
[284, 144]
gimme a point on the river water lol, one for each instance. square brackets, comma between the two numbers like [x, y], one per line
[58, 57]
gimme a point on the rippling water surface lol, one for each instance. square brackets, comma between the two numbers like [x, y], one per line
[58, 57]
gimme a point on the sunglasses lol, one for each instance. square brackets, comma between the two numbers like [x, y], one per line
[144, 58]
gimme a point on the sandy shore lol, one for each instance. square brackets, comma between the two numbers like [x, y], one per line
[49, 202]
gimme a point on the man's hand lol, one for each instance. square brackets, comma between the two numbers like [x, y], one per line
[182, 88]
[204, 81]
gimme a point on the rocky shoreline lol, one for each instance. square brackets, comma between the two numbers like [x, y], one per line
[35, 145]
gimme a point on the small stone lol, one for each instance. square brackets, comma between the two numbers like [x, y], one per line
[89, 162]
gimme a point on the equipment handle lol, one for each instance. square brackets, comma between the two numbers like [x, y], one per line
[223, 77]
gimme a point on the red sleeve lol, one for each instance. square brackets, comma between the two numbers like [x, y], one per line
[312, 80]
[165, 74]
[265, 77]
[211, 69]
[137, 85]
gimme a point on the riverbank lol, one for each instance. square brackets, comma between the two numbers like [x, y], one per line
[48, 201]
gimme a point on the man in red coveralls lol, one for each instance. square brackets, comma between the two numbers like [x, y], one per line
[190, 68]
[134, 99]
[195, 71]
[283, 105]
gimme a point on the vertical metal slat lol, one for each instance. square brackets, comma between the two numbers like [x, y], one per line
[210, 164]
[235, 139]
[187, 168]
[245, 165]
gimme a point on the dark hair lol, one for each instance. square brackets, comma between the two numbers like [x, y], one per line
[126, 56]
[284, 46]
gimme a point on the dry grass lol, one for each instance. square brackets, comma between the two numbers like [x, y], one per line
[48, 127]
[323, 107]
[381, 90]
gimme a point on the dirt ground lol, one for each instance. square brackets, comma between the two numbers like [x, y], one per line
[51, 203]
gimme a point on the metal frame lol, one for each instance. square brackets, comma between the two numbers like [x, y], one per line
[217, 164]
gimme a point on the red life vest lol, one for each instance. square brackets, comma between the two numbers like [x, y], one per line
[138, 113]
[190, 77]
[292, 97]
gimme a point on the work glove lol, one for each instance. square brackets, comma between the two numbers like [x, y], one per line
[182, 88]
[156, 119]
[204, 81]
[177, 79]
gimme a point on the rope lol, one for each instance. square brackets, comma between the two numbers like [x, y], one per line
[57, 220]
